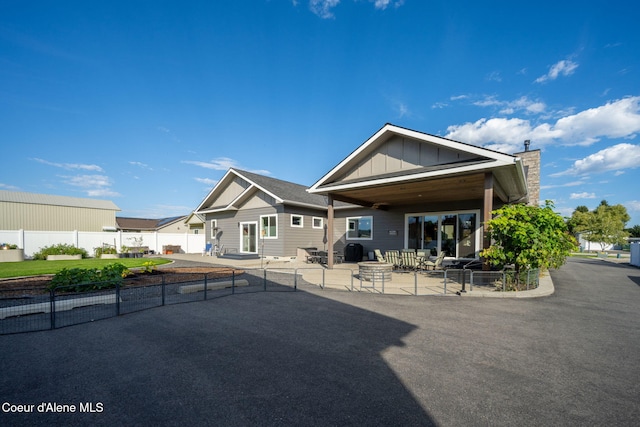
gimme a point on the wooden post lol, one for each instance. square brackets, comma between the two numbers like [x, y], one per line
[329, 231]
[486, 216]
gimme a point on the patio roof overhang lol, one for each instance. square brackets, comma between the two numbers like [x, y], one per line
[435, 185]
[389, 171]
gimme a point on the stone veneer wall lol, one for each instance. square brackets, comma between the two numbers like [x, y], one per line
[531, 162]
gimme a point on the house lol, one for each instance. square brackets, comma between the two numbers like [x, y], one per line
[251, 215]
[399, 189]
[45, 212]
[177, 224]
[421, 191]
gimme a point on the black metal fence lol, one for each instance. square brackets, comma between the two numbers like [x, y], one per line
[28, 309]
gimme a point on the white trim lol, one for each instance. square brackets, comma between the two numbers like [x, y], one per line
[301, 225]
[313, 223]
[257, 237]
[214, 225]
[260, 226]
[407, 178]
[358, 217]
[505, 159]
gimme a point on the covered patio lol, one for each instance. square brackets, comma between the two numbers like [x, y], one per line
[409, 175]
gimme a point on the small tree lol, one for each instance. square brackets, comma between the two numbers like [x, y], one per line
[604, 225]
[528, 237]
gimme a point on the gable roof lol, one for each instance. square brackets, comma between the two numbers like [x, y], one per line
[48, 199]
[283, 192]
[125, 223]
[395, 155]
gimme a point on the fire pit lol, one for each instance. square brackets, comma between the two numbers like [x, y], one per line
[374, 271]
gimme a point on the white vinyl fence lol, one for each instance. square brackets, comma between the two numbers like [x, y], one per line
[33, 241]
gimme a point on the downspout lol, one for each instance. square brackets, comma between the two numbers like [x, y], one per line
[329, 231]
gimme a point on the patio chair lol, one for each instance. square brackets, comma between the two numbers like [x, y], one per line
[422, 255]
[207, 249]
[437, 264]
[409, 260]
[393, 258]
[378, 255]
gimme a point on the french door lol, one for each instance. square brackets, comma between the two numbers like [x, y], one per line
[249, 237]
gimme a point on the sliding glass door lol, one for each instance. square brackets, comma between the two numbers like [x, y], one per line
[454, 233]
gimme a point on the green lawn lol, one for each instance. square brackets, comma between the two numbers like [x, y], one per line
[36, 268]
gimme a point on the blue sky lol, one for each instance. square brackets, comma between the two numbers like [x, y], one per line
[148, 103]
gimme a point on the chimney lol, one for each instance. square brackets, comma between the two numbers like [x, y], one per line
[527, 143]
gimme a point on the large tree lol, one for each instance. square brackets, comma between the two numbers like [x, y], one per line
[604, 225]
[528, 237]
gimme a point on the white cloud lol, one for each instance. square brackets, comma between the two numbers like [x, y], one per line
[219, 164]
[583, 195]
[616, 157]
[322, 8]
[207, 181]
[567, 184]
[616, 119]
[565, 67]
[70, 166]
[494, 76]
[224, 164]
[633, 205]
[86, 181]
[8, 187]
[141, 165]
[509, 107]
[93, 185]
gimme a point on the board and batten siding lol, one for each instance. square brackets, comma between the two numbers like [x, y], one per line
[25, 216]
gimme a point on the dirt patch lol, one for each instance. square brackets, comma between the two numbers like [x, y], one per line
[38, 284]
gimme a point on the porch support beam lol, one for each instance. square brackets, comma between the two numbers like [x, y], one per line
[486, 215]
[329, 231]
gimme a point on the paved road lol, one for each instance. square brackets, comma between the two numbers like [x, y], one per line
[337, 358]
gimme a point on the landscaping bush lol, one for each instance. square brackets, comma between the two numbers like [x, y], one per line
[81, 279]
[59, 249]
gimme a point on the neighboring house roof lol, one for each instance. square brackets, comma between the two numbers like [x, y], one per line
[48, 199]
[397, 165]
[125, 223]
[194, 219]
[283, 192]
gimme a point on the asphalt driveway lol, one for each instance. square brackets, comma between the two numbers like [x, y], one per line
[337, 358]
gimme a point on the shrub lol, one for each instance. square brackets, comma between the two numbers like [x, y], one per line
[59, 249]
[8, 246]
[82, 279]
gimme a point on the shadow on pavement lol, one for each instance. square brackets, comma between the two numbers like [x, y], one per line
[257, 359]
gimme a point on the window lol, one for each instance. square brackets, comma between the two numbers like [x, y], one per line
[317, 222]
[214, 228]
[297, 221]
[360, 227]
[269, 226]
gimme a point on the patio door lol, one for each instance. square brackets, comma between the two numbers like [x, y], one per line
[249, 237]
[454, 233]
